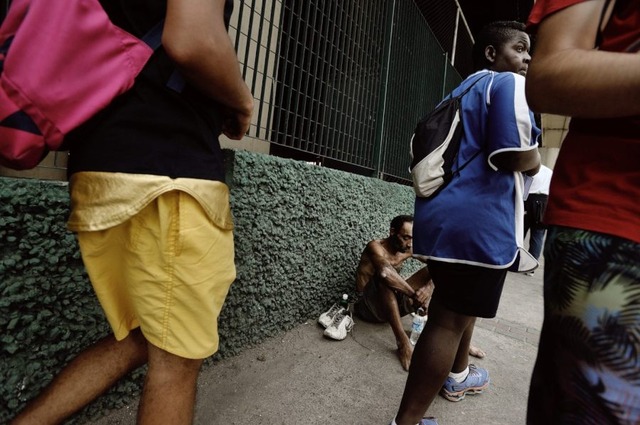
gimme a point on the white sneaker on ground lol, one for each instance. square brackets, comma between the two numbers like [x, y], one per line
[341, 325]
[327, 317]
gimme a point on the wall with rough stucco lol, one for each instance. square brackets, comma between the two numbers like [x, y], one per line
[299, 233]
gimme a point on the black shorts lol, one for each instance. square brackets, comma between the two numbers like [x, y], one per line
[465, 289]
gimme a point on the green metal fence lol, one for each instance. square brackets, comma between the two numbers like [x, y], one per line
[328, 79]
[342, 82]
[419, 75]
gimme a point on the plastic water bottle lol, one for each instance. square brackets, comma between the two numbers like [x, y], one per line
[419, 319]
[344, 302]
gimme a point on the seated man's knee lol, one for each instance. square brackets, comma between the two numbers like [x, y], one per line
[424, 276]
[421, 278]
[384, 272]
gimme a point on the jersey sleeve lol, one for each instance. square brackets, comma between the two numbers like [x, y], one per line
[511, 125]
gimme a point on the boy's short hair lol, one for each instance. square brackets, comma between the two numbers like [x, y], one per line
[494, 34]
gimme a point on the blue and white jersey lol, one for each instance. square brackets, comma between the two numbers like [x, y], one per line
[477, 218]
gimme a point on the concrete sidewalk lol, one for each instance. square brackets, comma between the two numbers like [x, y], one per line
[301, 377]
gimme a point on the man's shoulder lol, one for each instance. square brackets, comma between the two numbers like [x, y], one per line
[375, 244]
[380, 242]
[379, 247]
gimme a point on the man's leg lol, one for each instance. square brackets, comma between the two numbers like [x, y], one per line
[421, 278]
[462, 356]
[388, 305]
[435, 352]
[528, 217]
[169, 392]
[536, 241]
[89, 375]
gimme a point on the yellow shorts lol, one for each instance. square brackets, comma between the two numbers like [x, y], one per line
[166, 270]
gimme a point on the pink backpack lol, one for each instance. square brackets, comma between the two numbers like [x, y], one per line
[60, 63]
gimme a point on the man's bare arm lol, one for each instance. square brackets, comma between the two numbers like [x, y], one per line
[568, 77]
[195, 38]
[385, 270]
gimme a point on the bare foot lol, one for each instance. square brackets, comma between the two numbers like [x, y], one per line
[404, 354]
[476, 352]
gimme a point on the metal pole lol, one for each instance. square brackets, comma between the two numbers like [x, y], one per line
[464, 21]
[455, 37]
[444, 75]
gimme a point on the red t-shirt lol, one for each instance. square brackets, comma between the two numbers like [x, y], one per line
[596, 179]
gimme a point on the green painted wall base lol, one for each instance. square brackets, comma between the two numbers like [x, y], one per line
[299, 233]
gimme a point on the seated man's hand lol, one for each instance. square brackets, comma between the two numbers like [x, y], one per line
[423, 294]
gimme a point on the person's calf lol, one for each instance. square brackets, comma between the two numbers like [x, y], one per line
[169, 391]
[87, 376]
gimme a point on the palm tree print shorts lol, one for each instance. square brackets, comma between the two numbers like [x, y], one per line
[588, 365]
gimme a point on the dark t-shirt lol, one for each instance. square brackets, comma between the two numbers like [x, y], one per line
[151, 129]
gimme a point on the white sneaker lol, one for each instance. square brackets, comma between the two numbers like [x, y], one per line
[327, 317]
[341, 325]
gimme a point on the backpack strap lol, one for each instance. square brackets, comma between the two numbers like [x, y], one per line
[468, 88]
[467, 162]
[457, 171]
[153, 38]
[471, 86]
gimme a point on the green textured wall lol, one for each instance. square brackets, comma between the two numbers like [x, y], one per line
[299, 233]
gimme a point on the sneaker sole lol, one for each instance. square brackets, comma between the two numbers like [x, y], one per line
[347, 328]
[323, 324]
[459, 396]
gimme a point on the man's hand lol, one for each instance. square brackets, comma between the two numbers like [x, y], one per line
[236, 123]
[196, 40]
[423, 294]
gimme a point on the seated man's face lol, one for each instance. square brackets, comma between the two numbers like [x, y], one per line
[404, 238]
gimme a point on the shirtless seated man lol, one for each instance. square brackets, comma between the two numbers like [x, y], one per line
[385, 296]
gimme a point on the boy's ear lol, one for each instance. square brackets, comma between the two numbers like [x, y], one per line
[490, 53]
